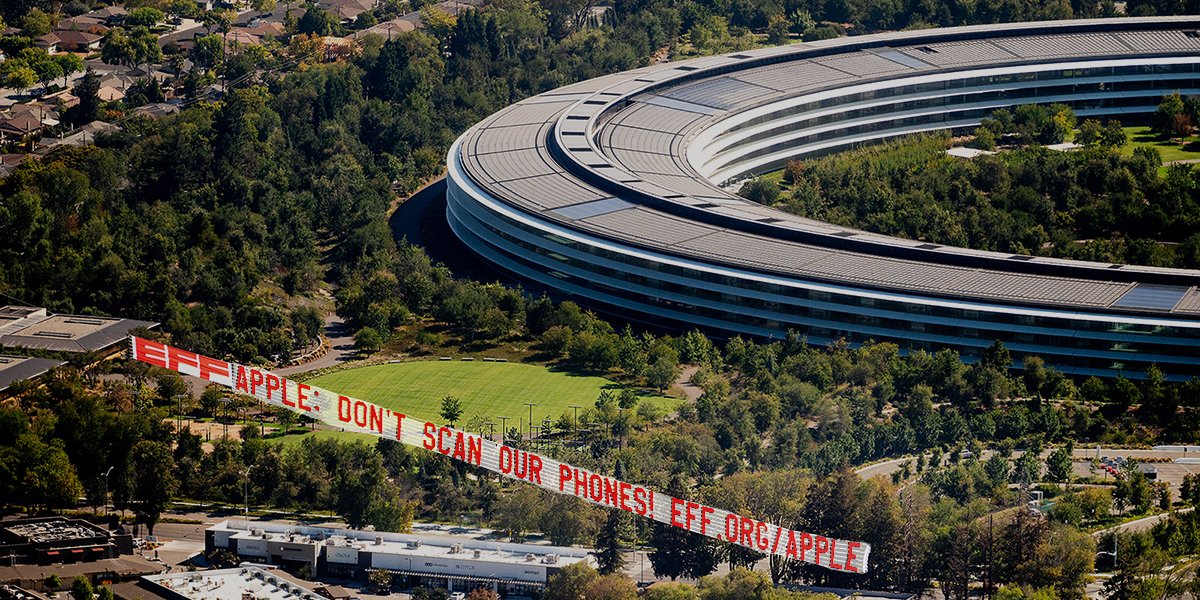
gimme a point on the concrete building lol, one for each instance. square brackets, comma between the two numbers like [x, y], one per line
[221, 584]
[32, 550]
[413, 560]
[36, 329]
[615, 192]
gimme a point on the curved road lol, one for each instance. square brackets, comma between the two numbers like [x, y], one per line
[341, 348]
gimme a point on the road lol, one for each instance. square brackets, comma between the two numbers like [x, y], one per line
[341, 348]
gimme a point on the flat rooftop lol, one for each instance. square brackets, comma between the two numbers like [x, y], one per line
[56, 531]
[17, 368]
[621, 170]
[233, 584]
[415, 545]
[35, 329]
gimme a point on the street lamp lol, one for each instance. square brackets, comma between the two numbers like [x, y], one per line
[179, 414]
[225, 413]
[105, 496]
[575, 424]
[530, 405]
[246, 488]
[503, 428]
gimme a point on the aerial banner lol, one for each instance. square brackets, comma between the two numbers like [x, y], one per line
[357, 415]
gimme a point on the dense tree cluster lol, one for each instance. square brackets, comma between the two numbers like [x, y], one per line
[1092, 204]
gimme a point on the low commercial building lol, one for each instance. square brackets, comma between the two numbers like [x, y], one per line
[34, 328]
[457, 564]
[17, 368]
[31, 550]
[221, 584]
[56, 540]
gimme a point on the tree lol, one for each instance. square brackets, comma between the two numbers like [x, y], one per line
[1058, 464]
[81, 588]
[452, 410]
[519, 511]
[482, 593]
[367, 340]
[672, 591]
[36, 23]
[152, 480]
[662, 373]
[145, 16]
[69, 64]
[609, 558]
[678, 552]
[18, 76]
[571, 582]
[1167, 116]
[105, 594]
[380, 579]
[613, 586]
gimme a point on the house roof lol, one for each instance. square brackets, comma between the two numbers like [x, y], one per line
[21, 124]
[77, 38]
[16, 368]
[81, 23]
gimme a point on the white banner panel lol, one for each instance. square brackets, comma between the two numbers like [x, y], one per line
[352, 414]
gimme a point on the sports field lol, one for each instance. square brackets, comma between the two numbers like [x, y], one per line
[488, 389]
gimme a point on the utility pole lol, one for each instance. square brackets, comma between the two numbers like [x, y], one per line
[246, 488]
[105, 496]
[575, 424]
[530, 405]
[503, 428]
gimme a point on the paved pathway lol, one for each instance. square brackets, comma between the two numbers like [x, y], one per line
[341, 348]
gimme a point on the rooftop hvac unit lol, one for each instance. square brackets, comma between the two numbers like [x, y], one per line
[413, 544]
[379, 540]
[478, 553]
[551, 559]
[456, 548]
[530, 558]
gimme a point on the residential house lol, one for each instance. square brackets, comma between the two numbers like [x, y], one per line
[78, 41]
[82, 23]
[48, 42]
[347, 10]
[112, 15]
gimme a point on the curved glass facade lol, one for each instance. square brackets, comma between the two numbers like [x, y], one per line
[657, 285]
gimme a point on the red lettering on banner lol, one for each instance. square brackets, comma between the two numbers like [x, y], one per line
[822, 547]
[610, 491]
[150, 352]
[623, 496]
[535, 468]
[850, 556]
[399, 423]
[806, 544]
[430, 443]
[704, 520]
[460, 449]
[746, 527]
[792, 551]
[595, 487]
[376, 418]
[675, 504]
[302, 395]
[360, 413]
[833, 555]
[344, 409]
[564, 475]
[256, 380]
[182, 358]
[443, 431]
[760, 533]
[212, 366]
[506, 460]
[242, 385]
[475, 450]
[639, 499]
[731, 527]
[273, 385]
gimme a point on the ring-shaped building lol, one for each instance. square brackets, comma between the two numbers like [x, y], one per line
[610, 191]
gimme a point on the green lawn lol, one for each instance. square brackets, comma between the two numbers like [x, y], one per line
[1170, 151]
[485, 388]
[296, 437]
